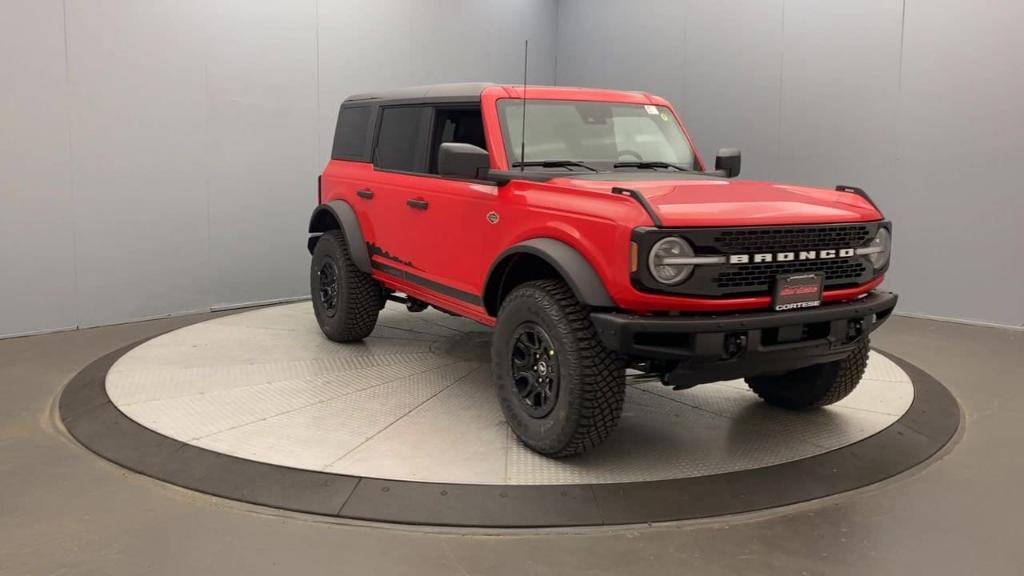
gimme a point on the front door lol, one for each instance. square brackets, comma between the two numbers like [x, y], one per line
[456, 215]
[427, 228]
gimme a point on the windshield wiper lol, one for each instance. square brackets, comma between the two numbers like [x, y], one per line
[650, 164]
[555, 164]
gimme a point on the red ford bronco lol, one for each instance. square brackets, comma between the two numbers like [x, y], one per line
[598, 243]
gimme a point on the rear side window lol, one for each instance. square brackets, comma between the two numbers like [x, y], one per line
[352, 135]
[402, 141]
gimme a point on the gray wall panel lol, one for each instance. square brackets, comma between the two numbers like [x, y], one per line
[607, 44]
[735, 49]
[840, 77]
[370, 45]
[138, 118]
[960, 196]
[37, 266]
[581, 58]
[261, 148]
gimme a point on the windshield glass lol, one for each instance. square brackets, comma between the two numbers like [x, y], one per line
[598, 134]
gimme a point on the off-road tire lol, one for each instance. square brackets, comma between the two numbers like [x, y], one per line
[813, 386]
[359, 298]
[591, 378]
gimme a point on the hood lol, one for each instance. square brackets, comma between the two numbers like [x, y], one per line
[697, 200]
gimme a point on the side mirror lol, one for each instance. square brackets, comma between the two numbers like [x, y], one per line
[727, 163]
[463, 161]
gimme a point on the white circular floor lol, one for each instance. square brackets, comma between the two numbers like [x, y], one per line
[415, 402]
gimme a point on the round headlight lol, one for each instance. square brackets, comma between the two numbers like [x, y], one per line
[883, 244]
[661, 259]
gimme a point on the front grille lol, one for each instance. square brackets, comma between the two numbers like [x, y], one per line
[758, 277]
[785, 239]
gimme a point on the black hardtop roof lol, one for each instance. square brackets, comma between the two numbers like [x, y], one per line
[454, 91]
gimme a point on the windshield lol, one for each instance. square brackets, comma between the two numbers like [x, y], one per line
[565, 134]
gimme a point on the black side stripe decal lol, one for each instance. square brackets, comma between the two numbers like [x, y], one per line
[378, 251]
[474, 299]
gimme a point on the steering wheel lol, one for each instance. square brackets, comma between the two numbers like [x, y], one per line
[632, 153]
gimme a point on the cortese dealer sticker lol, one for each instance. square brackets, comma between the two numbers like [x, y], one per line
[793, 291]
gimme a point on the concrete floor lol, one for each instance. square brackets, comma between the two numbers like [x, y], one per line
[63, 510]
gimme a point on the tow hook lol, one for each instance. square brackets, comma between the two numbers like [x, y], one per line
[734, 345]
[854, 330]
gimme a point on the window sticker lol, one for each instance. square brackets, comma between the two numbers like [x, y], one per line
[653, 110]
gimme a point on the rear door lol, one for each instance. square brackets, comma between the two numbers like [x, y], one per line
[400, 152]
[349, 174]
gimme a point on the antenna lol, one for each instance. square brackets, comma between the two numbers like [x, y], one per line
[522, 143]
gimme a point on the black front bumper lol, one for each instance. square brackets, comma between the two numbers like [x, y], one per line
[721, 347]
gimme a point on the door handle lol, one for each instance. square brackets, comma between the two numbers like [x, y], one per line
[365, 193]
[417, 203]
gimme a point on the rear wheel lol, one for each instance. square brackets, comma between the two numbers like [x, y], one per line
[561, 390]
[814, 386]
[346, 300]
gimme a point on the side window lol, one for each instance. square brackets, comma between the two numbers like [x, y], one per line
[352, 134]
[401, 143]
[465, 125]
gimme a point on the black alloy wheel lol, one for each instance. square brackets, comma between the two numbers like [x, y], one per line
[328, 281]
[534, 367]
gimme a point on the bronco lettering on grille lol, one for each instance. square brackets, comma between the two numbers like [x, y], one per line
[790, 256]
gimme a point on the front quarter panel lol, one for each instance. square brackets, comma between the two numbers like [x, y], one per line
[596, 225]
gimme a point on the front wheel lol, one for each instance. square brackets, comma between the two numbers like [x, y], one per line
[561, 390]
[813, 386]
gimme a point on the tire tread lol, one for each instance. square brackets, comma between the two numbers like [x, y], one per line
[360, 297]
[814, 386]
[601, 370]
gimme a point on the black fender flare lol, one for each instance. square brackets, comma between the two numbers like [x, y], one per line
[566, 260]
[339, 214]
